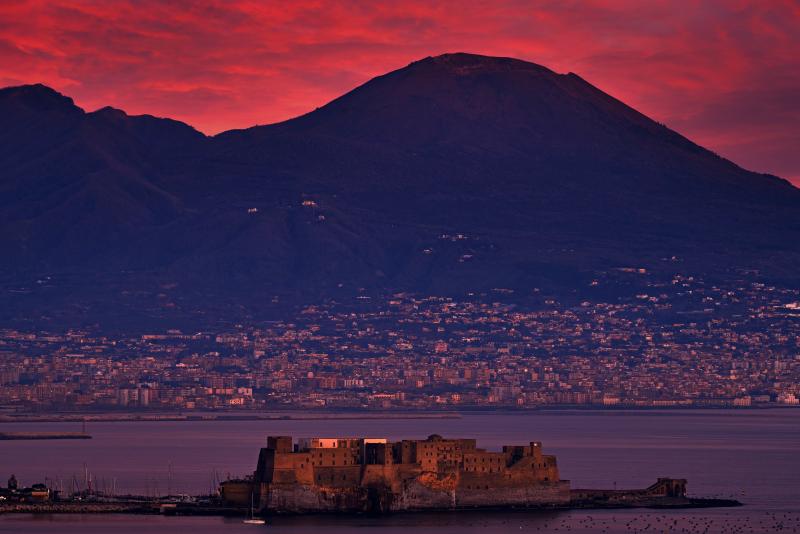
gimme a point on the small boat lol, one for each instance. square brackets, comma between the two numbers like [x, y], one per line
[252, 520]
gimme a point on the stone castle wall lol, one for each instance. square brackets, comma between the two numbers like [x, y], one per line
[435, 473]
[414, 495]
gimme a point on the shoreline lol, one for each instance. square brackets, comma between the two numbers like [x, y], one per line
[321, 415]
[223, 416]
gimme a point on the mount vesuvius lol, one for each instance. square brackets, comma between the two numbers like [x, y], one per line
[456, 173]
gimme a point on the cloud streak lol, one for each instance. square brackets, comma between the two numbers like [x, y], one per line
[724, 73]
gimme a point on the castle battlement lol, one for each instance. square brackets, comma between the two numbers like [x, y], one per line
[359, 473]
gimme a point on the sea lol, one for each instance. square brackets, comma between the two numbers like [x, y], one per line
[752, 455]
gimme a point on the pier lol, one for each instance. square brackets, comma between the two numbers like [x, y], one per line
[43, 435]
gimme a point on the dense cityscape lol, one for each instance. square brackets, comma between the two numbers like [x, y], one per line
[678, 342]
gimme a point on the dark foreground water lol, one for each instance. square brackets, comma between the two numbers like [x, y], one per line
[751, 455]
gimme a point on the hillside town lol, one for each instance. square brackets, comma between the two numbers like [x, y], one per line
[674, 343]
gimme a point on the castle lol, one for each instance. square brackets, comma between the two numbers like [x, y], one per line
[374, 474]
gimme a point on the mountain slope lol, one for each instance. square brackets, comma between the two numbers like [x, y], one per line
[526, 158]
[455, 173]
[75, 185]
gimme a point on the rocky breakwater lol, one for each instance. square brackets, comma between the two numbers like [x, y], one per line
[71, 507]
[665, 493]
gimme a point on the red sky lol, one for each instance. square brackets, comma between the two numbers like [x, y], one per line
[725, 73]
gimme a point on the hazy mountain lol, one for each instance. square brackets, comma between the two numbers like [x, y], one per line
[454, 173]
[74, 185]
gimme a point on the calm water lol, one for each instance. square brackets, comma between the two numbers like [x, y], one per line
[752, 455]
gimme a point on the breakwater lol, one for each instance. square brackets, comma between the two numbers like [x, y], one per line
[72, 507]
[43, 435]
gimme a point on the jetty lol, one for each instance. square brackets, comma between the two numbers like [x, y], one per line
[43, 435]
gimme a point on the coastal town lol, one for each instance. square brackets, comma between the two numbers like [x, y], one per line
[680, 342]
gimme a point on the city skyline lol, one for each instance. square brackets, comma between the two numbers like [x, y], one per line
[680, 343]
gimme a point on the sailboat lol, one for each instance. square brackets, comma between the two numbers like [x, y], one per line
[252, 519]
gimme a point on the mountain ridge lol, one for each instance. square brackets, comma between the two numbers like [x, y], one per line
[458, 62]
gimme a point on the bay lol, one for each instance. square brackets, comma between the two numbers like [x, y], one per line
[750, 455]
